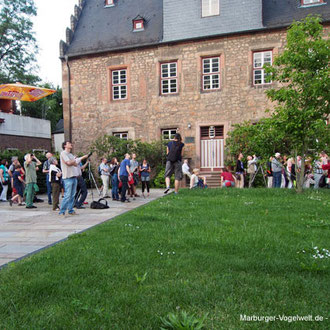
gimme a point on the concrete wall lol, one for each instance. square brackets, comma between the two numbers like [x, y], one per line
[24, 133]
[25, 126]
[58, 140]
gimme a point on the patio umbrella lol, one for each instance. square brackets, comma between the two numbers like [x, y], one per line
[22, 92]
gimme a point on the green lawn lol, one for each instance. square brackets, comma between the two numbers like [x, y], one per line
[221, 252]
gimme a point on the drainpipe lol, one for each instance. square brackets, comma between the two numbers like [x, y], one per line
[69, 92]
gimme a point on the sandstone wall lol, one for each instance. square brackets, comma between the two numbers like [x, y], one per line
[146, 112]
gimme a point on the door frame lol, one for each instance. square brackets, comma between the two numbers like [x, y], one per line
[225, 125]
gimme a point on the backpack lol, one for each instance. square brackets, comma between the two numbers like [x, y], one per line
[99, 171]
[113, 170]
[99, 205]
[174, 153]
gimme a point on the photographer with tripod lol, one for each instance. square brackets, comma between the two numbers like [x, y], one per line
[69, 175]
[254, 167]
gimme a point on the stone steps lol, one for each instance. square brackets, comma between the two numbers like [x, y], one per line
[212, 179]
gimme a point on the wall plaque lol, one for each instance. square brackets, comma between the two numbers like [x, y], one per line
[189, 139]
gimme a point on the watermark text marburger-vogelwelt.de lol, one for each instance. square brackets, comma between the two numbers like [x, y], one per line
[282, 318]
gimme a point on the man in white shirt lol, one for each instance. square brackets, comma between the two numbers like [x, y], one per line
[69, 176]
[105, 177]
[186, 173]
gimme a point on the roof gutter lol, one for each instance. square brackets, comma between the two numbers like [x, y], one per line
[69, 98]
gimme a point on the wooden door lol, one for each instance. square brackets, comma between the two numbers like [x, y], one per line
[212, 148]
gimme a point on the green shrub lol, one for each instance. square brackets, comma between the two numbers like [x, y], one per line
[111, 146]
[155, 153]
[41, 177]
[159, 180]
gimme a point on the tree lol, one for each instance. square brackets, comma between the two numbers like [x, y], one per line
[17, 43]
[49, 107]
[111, 146]
[261, 139]
[304, 94]
[297, 125]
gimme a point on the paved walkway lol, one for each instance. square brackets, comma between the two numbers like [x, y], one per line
[24, 231]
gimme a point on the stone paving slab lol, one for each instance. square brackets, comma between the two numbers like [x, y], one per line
[24, 231]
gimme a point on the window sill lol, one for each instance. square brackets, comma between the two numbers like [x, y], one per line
[207, 16]
[119, 100]
[263, 86]
[313, 5]
[166, 95]
[208, 91]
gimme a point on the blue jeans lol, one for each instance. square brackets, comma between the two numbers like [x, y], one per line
[114, 190]
[70, 187]
[124, 180]
[49, 189]
[317, 178]
[277, 179]
[231, 183]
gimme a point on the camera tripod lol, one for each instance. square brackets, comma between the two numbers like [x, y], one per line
[259, 168]
[91, 179]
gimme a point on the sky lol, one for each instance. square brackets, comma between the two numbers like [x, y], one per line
[53, 17]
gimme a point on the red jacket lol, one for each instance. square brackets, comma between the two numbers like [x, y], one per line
[326, 167]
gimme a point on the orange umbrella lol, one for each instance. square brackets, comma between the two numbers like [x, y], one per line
[22, 92]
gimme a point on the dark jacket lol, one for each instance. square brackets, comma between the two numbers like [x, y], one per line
[239, 167]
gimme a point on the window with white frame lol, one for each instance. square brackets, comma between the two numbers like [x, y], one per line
[210, 8]
[119, 84]
[138, 25]
[109, 3]
[259, 60]
[121, 135]
[311, 2]
[211, 73]
[168, 133]
[169, 78]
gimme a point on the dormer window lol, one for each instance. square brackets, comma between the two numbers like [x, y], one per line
[311, 2]
[109, 3]
[138, 23]
[210, 8]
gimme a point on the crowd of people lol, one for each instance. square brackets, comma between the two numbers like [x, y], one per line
[282, 171]
[124, 178]
[66, 179]
[66, 176]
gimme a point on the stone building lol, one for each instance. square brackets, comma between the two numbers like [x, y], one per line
[146, 69]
